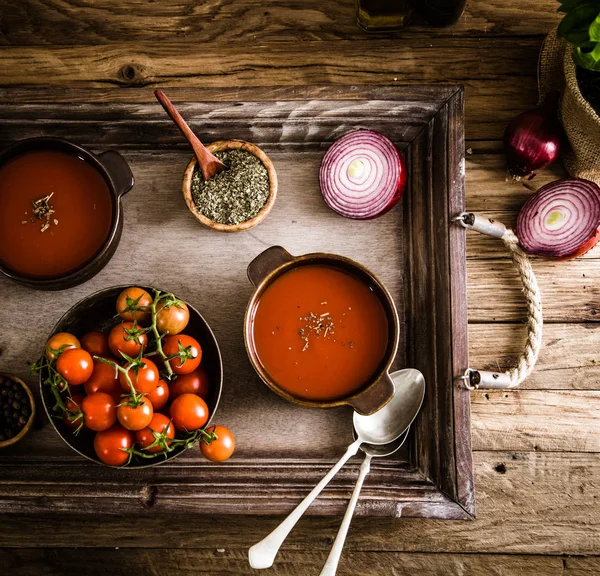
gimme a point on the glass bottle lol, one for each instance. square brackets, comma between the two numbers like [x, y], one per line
[382, 14]
[439, 12]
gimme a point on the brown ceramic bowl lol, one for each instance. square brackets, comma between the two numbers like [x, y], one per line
[274, 262]
[219, 146]
[27, 426]
[116, 173]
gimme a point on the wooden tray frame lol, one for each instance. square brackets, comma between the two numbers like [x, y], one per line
[438, 480]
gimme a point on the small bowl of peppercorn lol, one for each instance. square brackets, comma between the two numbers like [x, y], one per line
[17, 409]
[238, 198]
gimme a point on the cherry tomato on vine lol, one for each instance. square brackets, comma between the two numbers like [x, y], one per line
[220, 449]
[103, 379]
[135, 417]
[159, 396]
[96, 343]
[189, 412]
[111, 445]
[99, 411]
[73, 404]
[159, 424]
[59, 340]
[172, 319]
[119, 340]
[135, 297]
[144, 378]
[173, 344]
[75, 366]
[195, 382]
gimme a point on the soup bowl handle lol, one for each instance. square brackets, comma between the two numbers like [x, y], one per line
[266, 262]
[118, 170]
[375, 397]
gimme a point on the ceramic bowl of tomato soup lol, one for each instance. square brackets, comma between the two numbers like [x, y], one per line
[321, 330]
[97, 312]
[60, 211]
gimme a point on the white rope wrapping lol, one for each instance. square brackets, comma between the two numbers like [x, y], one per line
[534, 311]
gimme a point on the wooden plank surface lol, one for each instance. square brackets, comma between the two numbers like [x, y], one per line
[227, 21]
[528, 502]
[569, 359]
[222, 562]
[492, 97]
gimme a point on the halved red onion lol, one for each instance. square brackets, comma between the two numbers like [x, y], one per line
[561, 220]
[362, 175]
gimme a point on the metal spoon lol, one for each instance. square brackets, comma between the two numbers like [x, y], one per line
[382, 427]
[208, 162]
[371, 451]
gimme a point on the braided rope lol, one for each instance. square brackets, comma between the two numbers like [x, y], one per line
[534, 311]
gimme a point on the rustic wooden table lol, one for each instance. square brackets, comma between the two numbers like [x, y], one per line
[536, 449]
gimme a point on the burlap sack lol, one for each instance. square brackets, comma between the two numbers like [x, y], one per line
[581, 123]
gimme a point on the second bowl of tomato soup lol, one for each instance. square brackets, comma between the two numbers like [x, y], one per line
[60, 211]
[321, 330]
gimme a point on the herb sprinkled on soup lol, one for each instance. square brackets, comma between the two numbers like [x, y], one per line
[319, 332]
[55, 213]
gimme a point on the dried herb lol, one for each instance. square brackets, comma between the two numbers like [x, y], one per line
[42, 210]
[236, 194]
[315, 325]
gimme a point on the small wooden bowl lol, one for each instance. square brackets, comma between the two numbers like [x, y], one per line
[29, 423]
[219, 146]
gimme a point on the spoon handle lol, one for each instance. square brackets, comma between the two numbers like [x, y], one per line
[333, 559]
[209, 164]
[262, 554]
[178, 119]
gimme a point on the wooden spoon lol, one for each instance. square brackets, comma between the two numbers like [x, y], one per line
[209, 164]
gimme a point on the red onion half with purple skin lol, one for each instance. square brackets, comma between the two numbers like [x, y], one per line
[561, 220]
[533, 139]
[362, 175]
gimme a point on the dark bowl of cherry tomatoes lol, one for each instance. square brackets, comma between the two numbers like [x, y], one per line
[132, 376]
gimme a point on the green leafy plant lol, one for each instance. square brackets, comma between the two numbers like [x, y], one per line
[581, 28]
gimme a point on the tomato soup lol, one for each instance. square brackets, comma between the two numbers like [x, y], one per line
[55, 213]
[320, 333]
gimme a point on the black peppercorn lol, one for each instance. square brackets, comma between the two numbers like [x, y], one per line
[15, 408]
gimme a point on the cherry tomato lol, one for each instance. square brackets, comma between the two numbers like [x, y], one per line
[120, 341]
[99, 411]
[159, 423]
[172, 345]
[189, 412]
[172, 319]
[75, 366]
[220, 449]
[96, 343]
[159, 396]
[111, 445]
[137, 297]
[103, 379]
[59, 340]
[73, 404]
[195, 382]
[144, 379]
[135, 417]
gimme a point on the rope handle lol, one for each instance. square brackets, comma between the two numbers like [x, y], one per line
[473, 379]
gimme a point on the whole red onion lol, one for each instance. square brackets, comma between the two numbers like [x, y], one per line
[532, 140]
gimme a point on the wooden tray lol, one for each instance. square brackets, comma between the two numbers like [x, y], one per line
[283, 450]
